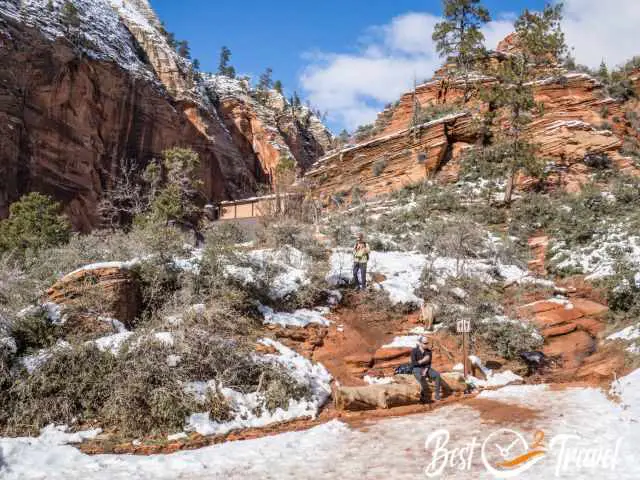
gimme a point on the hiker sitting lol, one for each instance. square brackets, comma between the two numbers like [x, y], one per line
[421, 365]
[360, 259]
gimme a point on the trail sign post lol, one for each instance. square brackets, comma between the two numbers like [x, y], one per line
[464, 327]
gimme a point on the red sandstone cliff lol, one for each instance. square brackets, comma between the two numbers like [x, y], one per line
[579, 119]
[75, 101]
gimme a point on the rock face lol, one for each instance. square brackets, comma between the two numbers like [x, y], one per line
[387, 163]
[75, 101]
[579, 123]
[110, 288]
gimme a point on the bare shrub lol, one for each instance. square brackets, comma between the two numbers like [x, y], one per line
[151, 399]
[70, 388]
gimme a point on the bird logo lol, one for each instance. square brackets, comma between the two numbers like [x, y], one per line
[506, 453]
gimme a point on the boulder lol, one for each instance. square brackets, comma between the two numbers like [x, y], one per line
[555, 317]
[559, 330]
[589, 307]
[386, 354]
[572, 348]
[360, 360]
[108, 290]
[376, 396]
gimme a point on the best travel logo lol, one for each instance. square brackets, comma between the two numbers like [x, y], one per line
[505, 453]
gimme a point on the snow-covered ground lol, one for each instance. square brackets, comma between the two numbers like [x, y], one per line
[597, 259]
[402, 271]
[283, 270]
[244, 406]
[298, 318]
[391, 448]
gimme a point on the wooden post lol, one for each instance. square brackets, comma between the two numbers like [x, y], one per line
[252, 204]
[235, 210]
[464, 327]
[465, 354]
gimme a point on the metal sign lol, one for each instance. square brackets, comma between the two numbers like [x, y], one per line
[463, 326]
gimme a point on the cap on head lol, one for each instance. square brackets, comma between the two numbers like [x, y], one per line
[424, 340]
[361, 236]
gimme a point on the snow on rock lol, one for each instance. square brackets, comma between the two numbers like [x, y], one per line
[377, 380]
[629, 333]
[298, 318]
[405, 341]
[495, 379]
[60, 435]
[597, 259]
[283, 270]
[32, 362]
[177, 436]
[103, 34]
[112, 343]
[104, 265]
[248, 408]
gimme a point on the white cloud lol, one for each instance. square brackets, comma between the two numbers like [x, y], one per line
[353, 87]
[602, 29]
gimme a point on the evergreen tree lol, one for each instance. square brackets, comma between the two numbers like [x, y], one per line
[277, 86]
[195, 64]
[183, 49]
[223, 65]
[603, 73]
[34, 222]
[540, 44]
[343, 137]
[70, 15]
[170, 37]
[50, 5]
[459, 37]
[266, 80]
[175, 185]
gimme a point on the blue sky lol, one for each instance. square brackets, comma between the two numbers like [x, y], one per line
[349, 57]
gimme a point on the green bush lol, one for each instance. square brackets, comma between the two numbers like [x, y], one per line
[510, 338]
[33, 331]
[34, 223]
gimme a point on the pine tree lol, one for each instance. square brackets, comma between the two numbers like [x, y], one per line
[34, 222]
[50, 5]
[224, 68]
[540, 44]
[183, 49]
[170, 37]
[603, 73]
[458, 36]
[70, 15]
[266, 80]
[195, 64]
[277, 86]
[175, 185]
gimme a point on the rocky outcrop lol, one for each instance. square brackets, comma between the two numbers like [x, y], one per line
[75, 101]
[107, 290]
[579, 125]
[387, 163]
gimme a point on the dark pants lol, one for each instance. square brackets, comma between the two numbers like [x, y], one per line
[362, 281]
[422, 379]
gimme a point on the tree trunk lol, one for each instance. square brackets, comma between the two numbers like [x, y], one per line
[508, 192]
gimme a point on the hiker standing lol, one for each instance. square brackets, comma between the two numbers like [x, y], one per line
[421, 364]
[360, 259]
